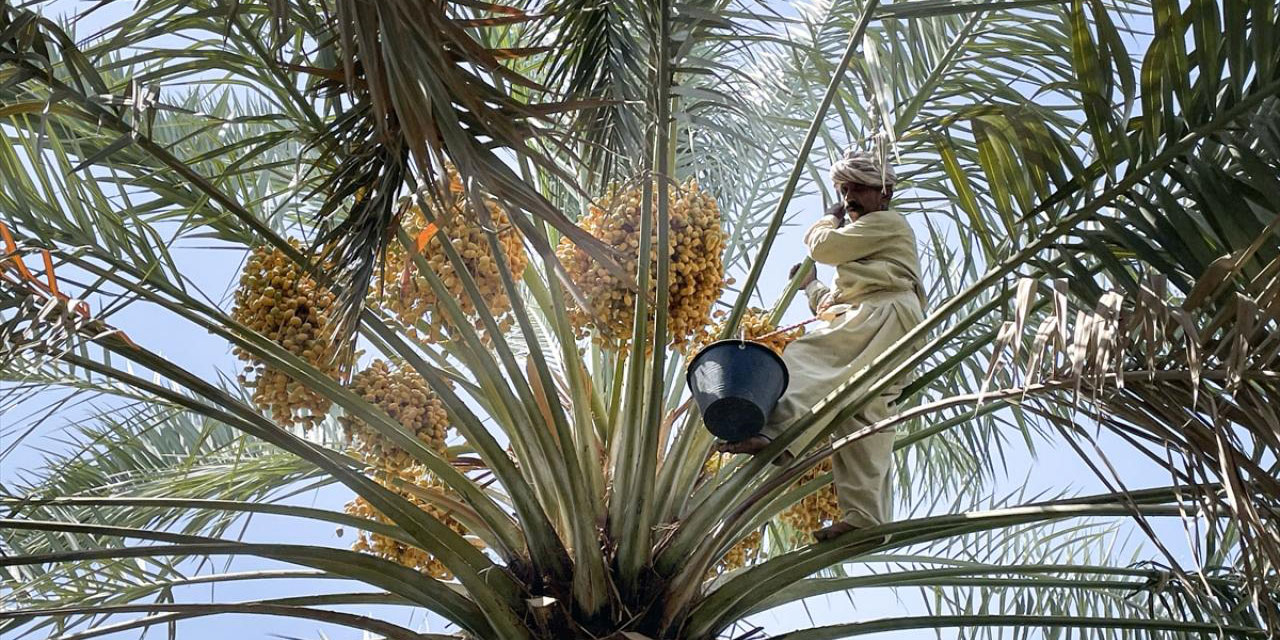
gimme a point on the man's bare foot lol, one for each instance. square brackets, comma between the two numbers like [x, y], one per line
[834, 531]
[752, 446]
[840, 528]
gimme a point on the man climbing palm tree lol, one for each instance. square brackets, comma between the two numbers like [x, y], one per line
[875, 300]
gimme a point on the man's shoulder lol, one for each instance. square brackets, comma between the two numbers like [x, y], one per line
[887, 218]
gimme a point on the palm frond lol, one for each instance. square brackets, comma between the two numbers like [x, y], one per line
[1097, 206]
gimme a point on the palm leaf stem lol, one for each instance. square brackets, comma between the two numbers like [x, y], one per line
[733, 597]
[589, 573]
[186, 611]
[1029, 575]
[635, 548]
[1021, 621]
[18, 503]
[487, 583]
[423, 590]
[525, 428]
[802, 156]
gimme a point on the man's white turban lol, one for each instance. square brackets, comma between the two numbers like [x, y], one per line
[860, 167]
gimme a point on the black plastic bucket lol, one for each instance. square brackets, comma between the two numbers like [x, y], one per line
[736, 384]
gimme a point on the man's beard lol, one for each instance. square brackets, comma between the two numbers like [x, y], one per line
[855, 207]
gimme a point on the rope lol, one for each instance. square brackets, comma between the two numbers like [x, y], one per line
[788, 328]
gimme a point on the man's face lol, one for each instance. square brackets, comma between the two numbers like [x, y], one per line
[862, 199]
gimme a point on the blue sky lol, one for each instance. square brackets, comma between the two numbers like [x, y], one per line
[215, 270]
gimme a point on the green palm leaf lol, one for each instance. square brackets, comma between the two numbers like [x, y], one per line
[1097, 205]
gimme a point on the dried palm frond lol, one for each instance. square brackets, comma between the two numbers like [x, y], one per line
[418, 90]
[1190, 383]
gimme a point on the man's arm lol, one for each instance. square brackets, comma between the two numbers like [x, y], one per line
[816, 291]
[831, 243]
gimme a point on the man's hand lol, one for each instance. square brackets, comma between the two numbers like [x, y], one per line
[813, 275]
[837, 211]
[825, 303]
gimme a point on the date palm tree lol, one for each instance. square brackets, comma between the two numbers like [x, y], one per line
[1096, 183]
